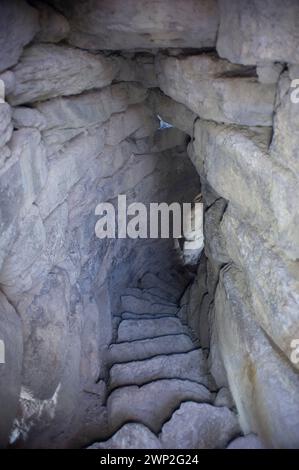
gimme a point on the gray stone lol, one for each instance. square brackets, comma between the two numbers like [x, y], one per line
[238, 167]
[70, 116]
[146, 348]
[28, 117]
[6, 127]
[161, 294]
[130, 330]
[253, 32]
[54, 27]
[11, 198]
[150, 280]
[140, 404]
[130, 436]
[199, 426]
[259, 375]
[142, 24]
[9, 80]
[269, 73]
[251, 441]
[137, 121]
[139, 68]
[47, 70]
[19, 271]
[186, 366]
[147, 295]
[18, 25]
[284, 145]
[27, 146]
[171, 111]
[224, 398]
[45, 311]
[10, 366]
[272, 280]
[134, 304]
[217, 90]
[67, 170]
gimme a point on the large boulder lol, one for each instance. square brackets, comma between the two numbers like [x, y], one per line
[18, 25]
[199, 426]
[47, 70]
[141, 24]
[237, 165]
[272, 280]
[259, 31]
[263, 385]
[284, 145]
[54, 27]
[217, 90]
[69, 116]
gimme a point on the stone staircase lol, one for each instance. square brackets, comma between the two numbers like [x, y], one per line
[160, 393]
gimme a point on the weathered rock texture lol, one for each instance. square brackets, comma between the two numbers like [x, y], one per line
[95, 330]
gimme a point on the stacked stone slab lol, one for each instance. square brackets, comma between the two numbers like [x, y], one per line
[159, 380]
[82, 87]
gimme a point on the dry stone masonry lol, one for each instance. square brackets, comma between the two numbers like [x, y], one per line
[116, 343]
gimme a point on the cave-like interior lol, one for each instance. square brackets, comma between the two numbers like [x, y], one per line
[148, 342]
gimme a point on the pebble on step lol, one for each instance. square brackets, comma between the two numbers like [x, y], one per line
[153, 403]
[190, 366]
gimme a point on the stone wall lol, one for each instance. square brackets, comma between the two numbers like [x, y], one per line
[73, 134]
[79, 126]
[244, 151]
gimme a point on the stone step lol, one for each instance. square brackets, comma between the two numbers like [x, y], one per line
[152, 404]
[130, 436]
[145, 294]
[144, 316]
[134, 304]
[130, 330]
[250, 441]
[190, 366]
[160, 293]
[175, 279]
[147, 348]
[150, 280]
[199, 426]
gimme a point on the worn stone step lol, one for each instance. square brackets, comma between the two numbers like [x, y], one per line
[133, 304]
[190, 366]
[143, 316]
[145, 294]
[130, 436]
[199, 426]
[150, 280]
[147, 348]
[250, 441]
[175, 279]
[152, 404]
[130, 330]
[160, 293]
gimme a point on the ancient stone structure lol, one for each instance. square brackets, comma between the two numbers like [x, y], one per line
[114, 343]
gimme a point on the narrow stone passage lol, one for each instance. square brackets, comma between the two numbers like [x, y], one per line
[160, 391]
[147, 336]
